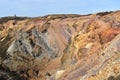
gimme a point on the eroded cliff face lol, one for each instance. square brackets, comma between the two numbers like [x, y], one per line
[93, 52]
[61, 47]
[30, 46]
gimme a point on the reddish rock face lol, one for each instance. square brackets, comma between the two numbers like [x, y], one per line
[90, 51]
[60, 47]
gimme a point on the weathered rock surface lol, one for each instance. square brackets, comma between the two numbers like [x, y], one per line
[61, 47]
[93, 52]
[31, 45]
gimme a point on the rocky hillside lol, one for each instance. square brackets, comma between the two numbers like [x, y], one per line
[60, 47]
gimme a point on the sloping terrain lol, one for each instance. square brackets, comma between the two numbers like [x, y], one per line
[61, 47]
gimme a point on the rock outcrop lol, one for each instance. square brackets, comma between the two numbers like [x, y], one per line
[61, 47]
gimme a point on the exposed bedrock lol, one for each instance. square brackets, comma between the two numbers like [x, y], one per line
[61, 47]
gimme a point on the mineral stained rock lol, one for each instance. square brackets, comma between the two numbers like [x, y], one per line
[61, 47]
